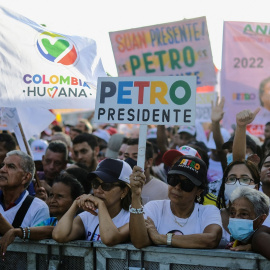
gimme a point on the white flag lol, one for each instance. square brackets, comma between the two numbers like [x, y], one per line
[33, 120]
[42, 68]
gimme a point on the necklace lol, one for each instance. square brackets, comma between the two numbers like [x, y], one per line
[181, 225]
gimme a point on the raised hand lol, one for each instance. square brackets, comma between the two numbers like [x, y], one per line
[245, 117]
[217, 110]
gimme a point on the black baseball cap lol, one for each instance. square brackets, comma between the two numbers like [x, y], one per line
[192, 167]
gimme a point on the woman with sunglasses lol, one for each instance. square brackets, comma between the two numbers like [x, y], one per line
[180, 221]
[105, 217]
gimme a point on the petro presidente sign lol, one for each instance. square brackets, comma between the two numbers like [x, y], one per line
[146, 100]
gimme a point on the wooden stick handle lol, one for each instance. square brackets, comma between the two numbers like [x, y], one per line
[28, 152]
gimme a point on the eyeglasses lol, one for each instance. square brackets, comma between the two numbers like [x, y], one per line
[244, 181]
[186, 185]
[105, 186]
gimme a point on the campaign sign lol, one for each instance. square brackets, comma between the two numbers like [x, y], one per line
[179, 48]
[169, 100]
[245, 76]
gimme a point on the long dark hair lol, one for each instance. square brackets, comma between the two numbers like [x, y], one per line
[252, 167]
[126, 201]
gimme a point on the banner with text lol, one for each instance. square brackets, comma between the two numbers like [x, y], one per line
[203, 106]
[169, 100]
[245, 72]
[42, 68]
[178, 48]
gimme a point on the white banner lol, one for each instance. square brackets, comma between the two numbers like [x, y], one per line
[245, 73]
[41, 68]
[169, 100]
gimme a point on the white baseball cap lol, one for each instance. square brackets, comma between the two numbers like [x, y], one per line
[38, 148]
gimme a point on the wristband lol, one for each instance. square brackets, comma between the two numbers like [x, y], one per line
[169, 238]
[23, 233]
[28, 230]
[136, 210]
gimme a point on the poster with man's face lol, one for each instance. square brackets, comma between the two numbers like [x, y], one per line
[245, 72]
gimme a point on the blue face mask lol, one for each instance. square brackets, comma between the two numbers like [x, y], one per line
[241, 229]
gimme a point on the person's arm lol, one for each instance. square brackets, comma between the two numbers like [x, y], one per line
[4, 225]
[243, 118]
[210, 237]
[138, 232]
[109, 233]
[69, 228]
[216, 116]
[162, 140]
[261, 240]
[32, 233]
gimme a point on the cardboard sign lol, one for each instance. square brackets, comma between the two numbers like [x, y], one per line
[177, 48]
[169, 100]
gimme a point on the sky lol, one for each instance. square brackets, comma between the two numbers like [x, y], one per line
[95, 19]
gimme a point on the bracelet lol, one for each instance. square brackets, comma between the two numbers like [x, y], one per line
[169, 238]
[28, 235]
[24, 233]
[136, 210]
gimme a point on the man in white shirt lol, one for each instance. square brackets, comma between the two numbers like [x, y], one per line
[15, 176]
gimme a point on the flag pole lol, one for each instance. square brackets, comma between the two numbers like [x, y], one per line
[28, 152]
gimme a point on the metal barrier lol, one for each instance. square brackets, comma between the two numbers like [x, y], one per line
[84, 255]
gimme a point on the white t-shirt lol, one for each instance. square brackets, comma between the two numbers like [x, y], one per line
[165, 221]
[155, 189]
[37, 212]
[91, 223]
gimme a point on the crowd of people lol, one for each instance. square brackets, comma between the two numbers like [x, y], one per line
[198, 188]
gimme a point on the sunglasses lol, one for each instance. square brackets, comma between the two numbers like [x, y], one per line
[186, 185]
[105, 186]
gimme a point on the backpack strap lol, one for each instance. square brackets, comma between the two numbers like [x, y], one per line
[22, 211]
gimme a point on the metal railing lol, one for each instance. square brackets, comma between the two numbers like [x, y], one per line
[84, 255]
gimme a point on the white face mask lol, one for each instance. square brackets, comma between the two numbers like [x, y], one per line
[230, 188]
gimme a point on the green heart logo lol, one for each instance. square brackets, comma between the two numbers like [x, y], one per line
[52, 91]
[57, 48]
